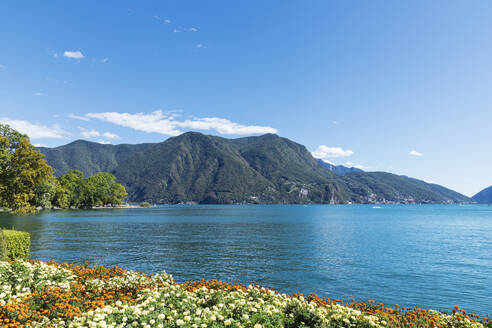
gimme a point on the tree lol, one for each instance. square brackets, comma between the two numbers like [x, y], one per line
[72, 182]
[22, 169]
[62, 196]
[102, 189]
[118, 193]
[45, 192]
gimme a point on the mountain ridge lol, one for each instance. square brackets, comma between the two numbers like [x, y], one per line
[198, 168]
[484, 196]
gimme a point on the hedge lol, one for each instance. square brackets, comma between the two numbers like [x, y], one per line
[14, 244]
[3, 247]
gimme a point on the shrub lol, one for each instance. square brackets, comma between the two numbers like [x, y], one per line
[3, 247]
[17, 244]
[144, 204]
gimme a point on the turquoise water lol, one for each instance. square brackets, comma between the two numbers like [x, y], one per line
[433, 256]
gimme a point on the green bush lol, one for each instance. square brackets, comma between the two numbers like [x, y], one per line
[3, 247]
[17, 244]
[144, 204]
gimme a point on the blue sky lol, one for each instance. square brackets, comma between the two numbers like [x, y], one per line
[398, 86]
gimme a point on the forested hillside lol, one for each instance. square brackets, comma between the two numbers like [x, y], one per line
[199, 168]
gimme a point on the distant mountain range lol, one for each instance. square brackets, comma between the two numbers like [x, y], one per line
[338, 169]
[484, 196]
[199, 168]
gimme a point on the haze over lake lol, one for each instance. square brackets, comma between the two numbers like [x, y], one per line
[434, 256]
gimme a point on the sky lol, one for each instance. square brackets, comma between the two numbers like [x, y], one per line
[397, 86]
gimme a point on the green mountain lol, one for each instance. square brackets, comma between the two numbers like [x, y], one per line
[199, 168]
[484, 196]
[89, 157]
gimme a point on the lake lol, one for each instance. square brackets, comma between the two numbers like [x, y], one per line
[433, 256]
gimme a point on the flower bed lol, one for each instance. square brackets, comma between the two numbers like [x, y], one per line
[37, 294]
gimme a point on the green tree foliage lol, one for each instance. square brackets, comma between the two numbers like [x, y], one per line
[27, 181]
[61, 199]
[99, 189]
[72, 183]
[22, 170]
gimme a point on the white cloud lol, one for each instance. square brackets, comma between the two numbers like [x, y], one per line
[104, 60]
[357, 166]
[331, 152]
[176, 30]
[73, 54]
[2, 66]
[335, 123]
[199, 45]
[416, 153]
[429, 181]
[90, 133]
[167, 21]
[156, 17]
[327, 161]
[38, 94]
[39, 145]
[36, 131]
[76, 117]
[110, 135]
[191, 29]
[104, 142]
[166, 123]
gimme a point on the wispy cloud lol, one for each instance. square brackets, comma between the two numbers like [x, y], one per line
[110, 135]
[76, 117]
[357, 166]
[73, 54]
[50, 79]
[36, 131]
[331, 152]
[199, 45]
[167, 21]
[2, 66]
[416, 153]
[156, 17]
[52, 53]
[167, 123]
[104, 142]
[39, 94]
[90, 133]
[104, 60]
[94, 134]
[39, 145]
[191, 29]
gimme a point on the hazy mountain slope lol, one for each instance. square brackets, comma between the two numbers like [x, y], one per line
[382, 186]
[338, 169]
[484, 196]
[89, 157]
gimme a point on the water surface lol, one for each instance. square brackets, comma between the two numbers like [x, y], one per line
[433, 256]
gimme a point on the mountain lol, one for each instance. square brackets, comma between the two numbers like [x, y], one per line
[89, 157]
[199, 168]
[383, 187]
[484, 196]
[338, 169]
